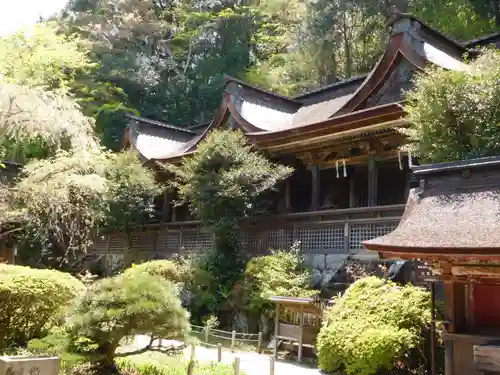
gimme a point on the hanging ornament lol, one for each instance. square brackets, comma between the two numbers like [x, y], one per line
[345, 169]
[400, 161]
[410, 161]
[337, 167]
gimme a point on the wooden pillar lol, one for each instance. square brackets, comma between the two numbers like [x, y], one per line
[352, 191]
[301, 325]
[372, 182]
[276, 329]
[166, 206]
[288, 196]
[450, 297]
[315, 186]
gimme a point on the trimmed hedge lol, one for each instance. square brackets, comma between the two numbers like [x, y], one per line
[165, 269]
[32, 301]
[375, 325]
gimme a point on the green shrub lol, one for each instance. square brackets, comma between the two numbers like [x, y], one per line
[453, 114]
[278, 274]
[373, 326]
[56, 343]
[165, 269]
[221, 184]
[124, 306]
[32, 301]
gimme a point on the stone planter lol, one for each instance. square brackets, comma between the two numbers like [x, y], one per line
[29, 365]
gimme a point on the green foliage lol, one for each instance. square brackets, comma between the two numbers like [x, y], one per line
[34, 122]
[41, 57]
[454, 114]
[67, 199]
[224, 177]
[32, 301]
[131, 190]
[221, 182]
[458, 18]
[110, 124]
[165, 269]
[160, 364]
[278, 274]
[124, 306]
[373, 326]
[56, 343]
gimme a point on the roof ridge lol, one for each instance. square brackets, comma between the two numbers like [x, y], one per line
[229, 78]
[482, 38]
[159, 123]
[332, 85]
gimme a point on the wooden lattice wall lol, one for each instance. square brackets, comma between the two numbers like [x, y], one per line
[321, 236]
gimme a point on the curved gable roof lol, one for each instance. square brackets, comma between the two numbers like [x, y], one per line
[269, 118]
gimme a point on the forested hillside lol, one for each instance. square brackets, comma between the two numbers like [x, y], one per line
[166, 59]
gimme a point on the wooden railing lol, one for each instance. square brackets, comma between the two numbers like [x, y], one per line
[329, 231]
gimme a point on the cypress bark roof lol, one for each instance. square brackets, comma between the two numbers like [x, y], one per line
[456, 210]
[272, 120]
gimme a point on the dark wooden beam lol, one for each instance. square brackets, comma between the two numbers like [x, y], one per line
[315, 175]
[372, 182]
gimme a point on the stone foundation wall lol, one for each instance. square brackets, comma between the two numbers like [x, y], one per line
[335, 272]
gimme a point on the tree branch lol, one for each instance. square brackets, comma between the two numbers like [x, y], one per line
[139, 351]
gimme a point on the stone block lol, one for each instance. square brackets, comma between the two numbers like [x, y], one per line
[335, 261]
[318, 261]
[308, 259]
[315, 279]
[29, 365]
[328, 275]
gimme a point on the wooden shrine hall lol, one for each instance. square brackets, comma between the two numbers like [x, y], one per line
[350, 180]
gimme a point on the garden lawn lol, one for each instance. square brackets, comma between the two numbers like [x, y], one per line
[155, 363]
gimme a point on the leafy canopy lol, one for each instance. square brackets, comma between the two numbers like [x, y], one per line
[221, 181]
[278, 274]
[454, 114]
[41, 57]
[124, 306]
[38, 123]
[67, 199]
[372, 327]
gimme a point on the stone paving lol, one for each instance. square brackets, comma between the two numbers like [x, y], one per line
[250, 363]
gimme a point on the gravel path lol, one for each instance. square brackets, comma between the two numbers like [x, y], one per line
[250, 363]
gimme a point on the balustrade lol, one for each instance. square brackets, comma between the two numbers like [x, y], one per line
[329, 231]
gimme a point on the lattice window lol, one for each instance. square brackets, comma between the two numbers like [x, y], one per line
[321, 239]
[100, 245]
[250, 241]
[161, 241]
[173, 241]
[364, 232]
[117, 243]
[279, 238]
[142, 242]
[195, 241]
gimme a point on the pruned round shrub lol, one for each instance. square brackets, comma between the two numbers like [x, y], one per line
[372, 327]
[165, 269]
[124, 306]
[279, 274]
[32, 301]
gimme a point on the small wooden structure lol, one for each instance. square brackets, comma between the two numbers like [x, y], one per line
[452, 222]
[297, 319]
